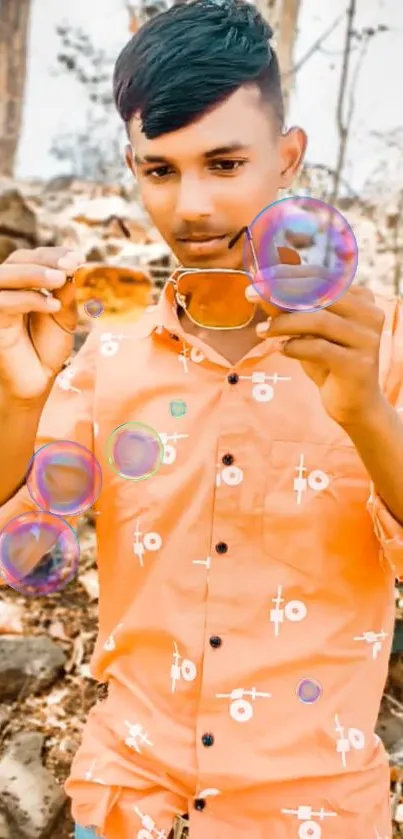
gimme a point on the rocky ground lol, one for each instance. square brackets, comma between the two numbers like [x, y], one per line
[46, 643]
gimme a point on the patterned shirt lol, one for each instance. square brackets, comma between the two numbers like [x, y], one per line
[246, 603]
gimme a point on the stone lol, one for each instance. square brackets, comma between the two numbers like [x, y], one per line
[16, 217]
[29, 663]
[30, 798]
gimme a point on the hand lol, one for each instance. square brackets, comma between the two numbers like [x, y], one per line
[36, 332]
[338, 348]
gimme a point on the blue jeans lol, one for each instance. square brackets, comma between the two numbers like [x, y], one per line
[84, 833]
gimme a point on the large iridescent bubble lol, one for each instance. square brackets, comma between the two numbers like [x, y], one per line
[306, 252]
[39, 553]
[64, 478]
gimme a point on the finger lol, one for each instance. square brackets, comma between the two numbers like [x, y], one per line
[46, 257]
[318, 350]
[322, 324]
[294, 272]
[31, 276]
[23, 302]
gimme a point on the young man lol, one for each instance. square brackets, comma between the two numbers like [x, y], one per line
[246, 589]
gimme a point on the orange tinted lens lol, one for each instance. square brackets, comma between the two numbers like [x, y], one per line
[217, 299]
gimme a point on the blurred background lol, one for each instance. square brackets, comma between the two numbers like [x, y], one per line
[63, 181]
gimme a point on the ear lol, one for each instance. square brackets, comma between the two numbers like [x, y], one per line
[129, 158]
[293, 146]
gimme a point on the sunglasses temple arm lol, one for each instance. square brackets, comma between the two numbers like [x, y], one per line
[251, 245]
[253, 250]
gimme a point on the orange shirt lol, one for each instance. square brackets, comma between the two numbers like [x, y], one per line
[246, 594]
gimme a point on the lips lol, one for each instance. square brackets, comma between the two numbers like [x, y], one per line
[202, 238]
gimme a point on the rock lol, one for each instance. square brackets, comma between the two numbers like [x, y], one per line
[16, 217]
[7, 246]
[4, 716]
[30, 798]
[30, 663]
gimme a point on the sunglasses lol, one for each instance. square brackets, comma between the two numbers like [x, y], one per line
[214, 298]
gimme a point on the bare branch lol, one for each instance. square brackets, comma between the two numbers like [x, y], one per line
[315, 47]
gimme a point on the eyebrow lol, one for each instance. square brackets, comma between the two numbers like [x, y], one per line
[230, 148]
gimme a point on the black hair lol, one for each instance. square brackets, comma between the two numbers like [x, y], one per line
[189, 59]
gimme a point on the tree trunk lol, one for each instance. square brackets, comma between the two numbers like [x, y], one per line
[286, 37]
[14, 21]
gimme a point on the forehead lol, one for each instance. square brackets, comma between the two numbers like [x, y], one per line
[241, 118]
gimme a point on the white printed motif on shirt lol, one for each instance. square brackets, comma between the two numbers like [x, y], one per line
[206, 562]
[89, 775]
[145, 542]
[350, 738]
[110, 643]
[240, 709]
[317, 480]
[261, 390]
[375, 639]
[194, 354]
[182, 668]
[109, 343]
[149, 829]
[309, 818]
[65, 378]
[292, 610]
[232, 476]
[169, 451]
[137, 737]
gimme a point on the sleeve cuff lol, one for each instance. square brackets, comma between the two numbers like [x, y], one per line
[388, 532]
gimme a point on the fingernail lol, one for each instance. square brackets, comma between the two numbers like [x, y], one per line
[55, 277]
[53, 304]
[250, 293]
[263, 327]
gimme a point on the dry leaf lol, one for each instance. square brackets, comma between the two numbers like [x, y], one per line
[11, 618]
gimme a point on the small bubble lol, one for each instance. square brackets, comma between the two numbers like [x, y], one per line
[93, 308]
[309, 691]
[134, 451]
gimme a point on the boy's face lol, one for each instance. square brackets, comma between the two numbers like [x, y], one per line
[211, 178]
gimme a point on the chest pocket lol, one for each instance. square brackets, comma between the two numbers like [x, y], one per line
[315, 518]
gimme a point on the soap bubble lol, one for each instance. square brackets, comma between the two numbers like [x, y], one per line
[306, 251]
[93, 308]
[64, 478]
[39, 553]
[135, 451]
[309, 690]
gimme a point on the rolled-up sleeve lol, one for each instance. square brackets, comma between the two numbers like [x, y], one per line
[387, 529]
[67, 415]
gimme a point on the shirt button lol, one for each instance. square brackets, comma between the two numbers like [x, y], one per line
[199, 804]
[221, 548]
[233, 378]
[207, 740]
[215, 641]
[228, 459]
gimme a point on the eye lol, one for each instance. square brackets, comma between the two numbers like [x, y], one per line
[157, 172]
[228, 165]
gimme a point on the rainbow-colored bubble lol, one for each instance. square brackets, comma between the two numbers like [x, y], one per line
[134, 451]
[64, 478]
[306, 253]
[93, 308]
[309, 691]
[39, 553]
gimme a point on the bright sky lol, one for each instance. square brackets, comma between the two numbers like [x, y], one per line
[55, 104]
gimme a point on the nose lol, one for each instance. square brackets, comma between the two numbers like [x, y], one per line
[194, 199]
